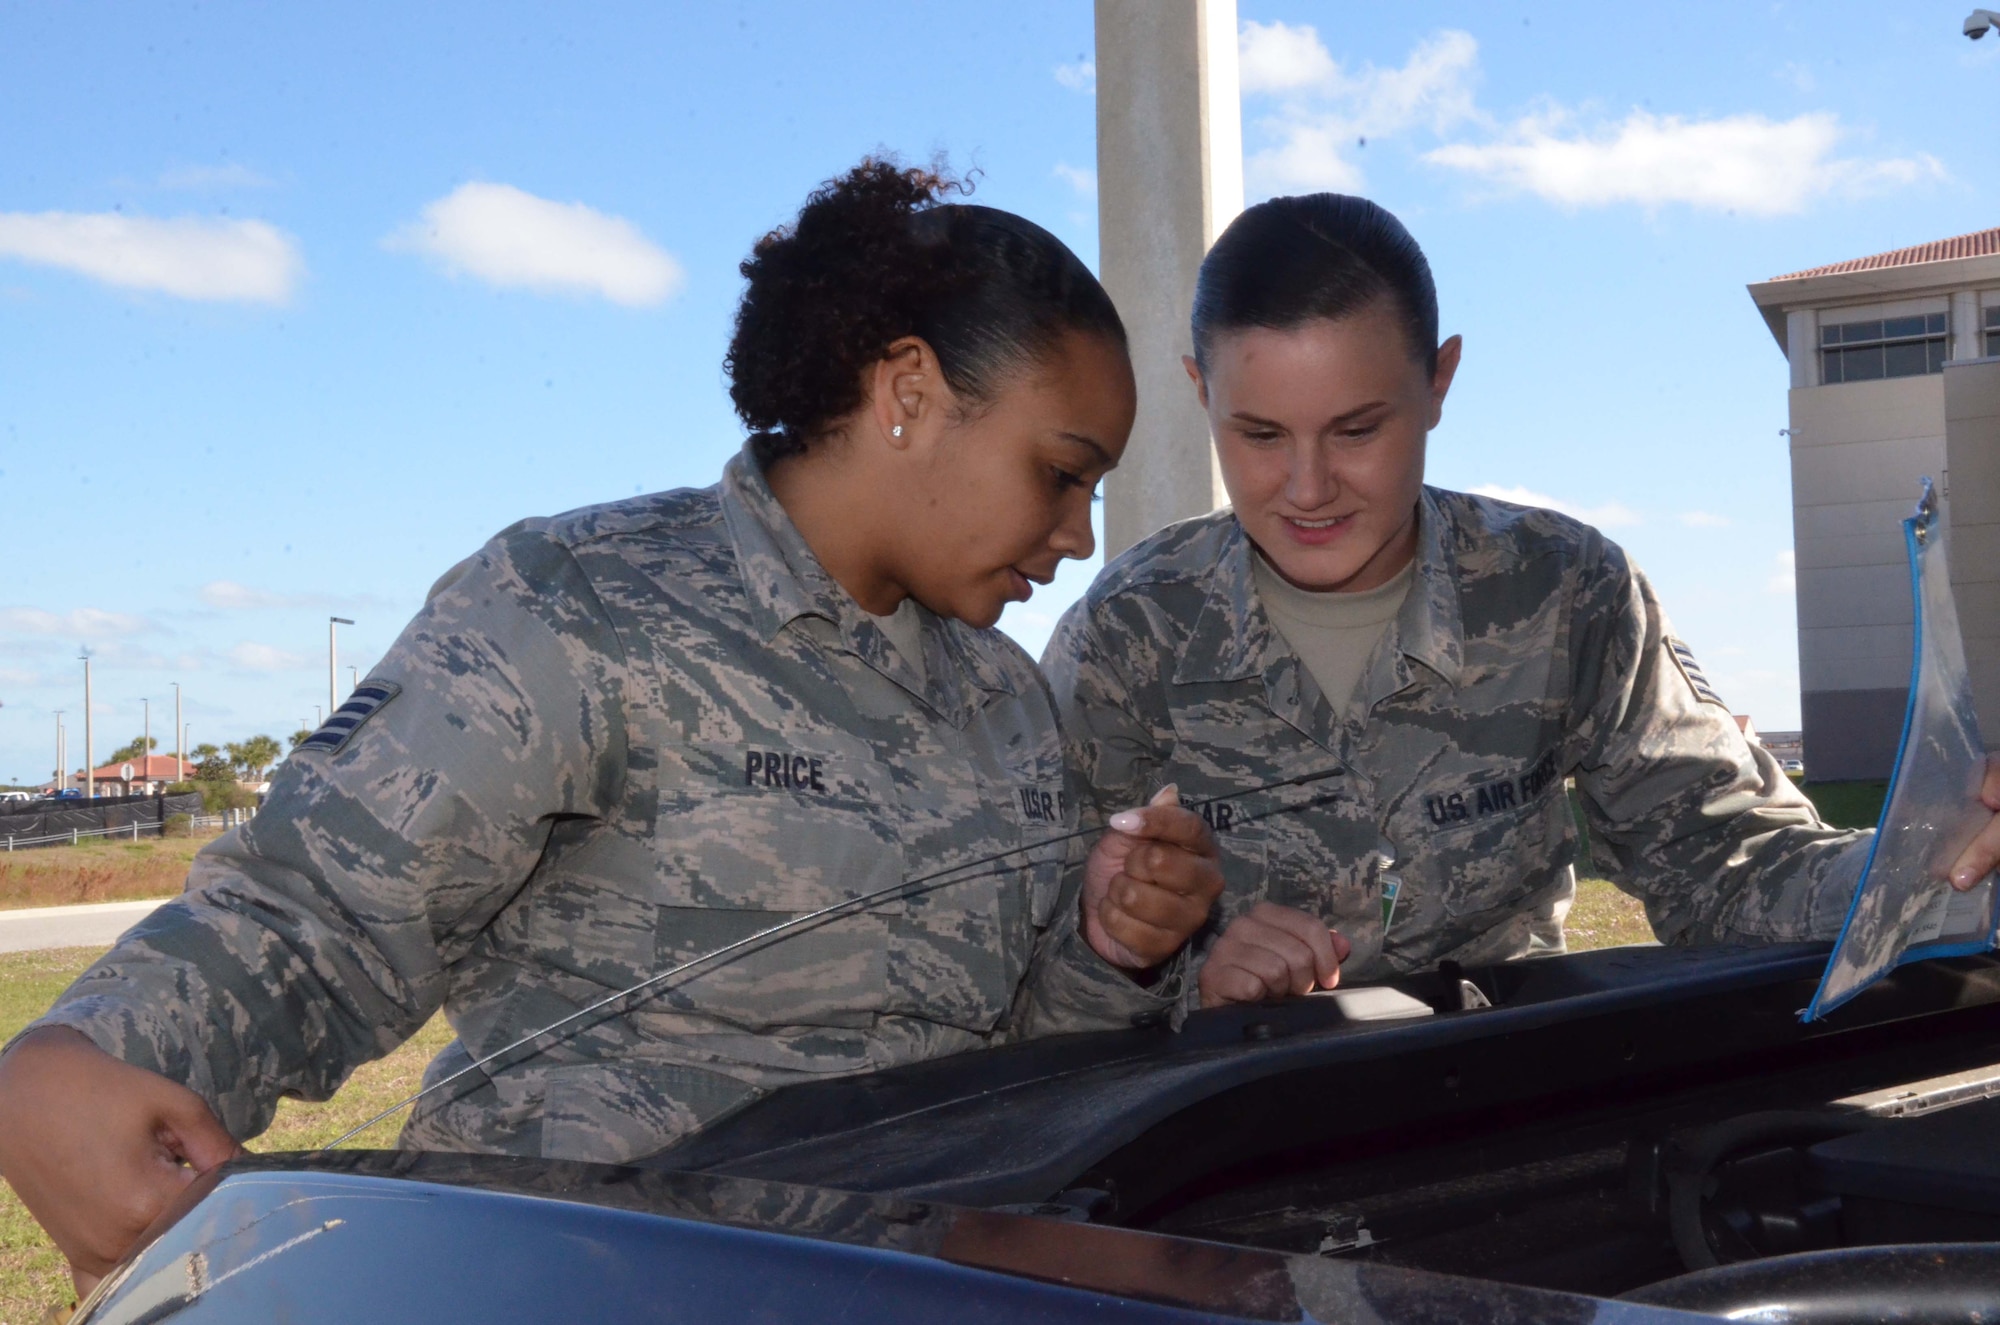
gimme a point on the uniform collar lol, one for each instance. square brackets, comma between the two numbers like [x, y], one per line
[782, 578]
[783, 581]
[1431, 628]
[1233, 638]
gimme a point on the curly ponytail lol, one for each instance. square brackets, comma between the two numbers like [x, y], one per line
[874, 256]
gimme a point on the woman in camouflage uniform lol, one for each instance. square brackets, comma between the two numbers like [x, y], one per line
[621, 737]
[1457, 658]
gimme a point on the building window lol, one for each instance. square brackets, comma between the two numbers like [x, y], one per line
[1887, 347]
[1993, 332]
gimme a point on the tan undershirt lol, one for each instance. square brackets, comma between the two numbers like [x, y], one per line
[1334, 634]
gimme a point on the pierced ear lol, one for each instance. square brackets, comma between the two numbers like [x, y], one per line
[904, 379]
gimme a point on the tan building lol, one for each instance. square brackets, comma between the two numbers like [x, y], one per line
[1895, 374]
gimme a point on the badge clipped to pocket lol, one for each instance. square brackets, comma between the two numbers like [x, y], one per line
[1392, 882]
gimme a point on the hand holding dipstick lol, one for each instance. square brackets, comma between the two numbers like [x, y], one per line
[1149, 883]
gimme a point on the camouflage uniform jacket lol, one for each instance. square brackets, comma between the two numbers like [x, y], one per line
[613, 740]
[1528, 651]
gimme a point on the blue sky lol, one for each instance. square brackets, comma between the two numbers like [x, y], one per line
[299, 304]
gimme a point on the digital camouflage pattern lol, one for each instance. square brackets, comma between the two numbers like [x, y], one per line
[1529, 650]
[614, 740]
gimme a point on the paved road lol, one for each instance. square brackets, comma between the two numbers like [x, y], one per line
[93, 926]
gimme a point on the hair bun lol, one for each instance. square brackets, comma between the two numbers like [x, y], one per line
[875, 256]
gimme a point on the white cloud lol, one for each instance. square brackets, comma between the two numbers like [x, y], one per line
[1703, 519]
[1081, 178]
[83, 623]
[1797, 76]
[1326, 113]
[1785, 578]
[206, 258]
[1322, 115]
[1078, 77]
[1277, 57]
[1610, 515]
[511, 238]
[264, 658]
[1746, 163]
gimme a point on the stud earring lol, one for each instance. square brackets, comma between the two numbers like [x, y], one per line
[896, 431]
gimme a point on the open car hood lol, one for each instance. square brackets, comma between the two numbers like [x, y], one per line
[1147, 1112]
[389, 1237]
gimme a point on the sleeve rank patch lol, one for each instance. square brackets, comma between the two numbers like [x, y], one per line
[1697, 680]
[362, 705]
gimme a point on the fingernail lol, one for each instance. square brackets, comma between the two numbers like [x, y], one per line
[1128, 821]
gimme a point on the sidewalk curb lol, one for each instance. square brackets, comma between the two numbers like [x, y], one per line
[93, 924]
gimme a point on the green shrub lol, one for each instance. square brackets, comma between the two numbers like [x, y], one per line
[216, 795]
[1849, 804]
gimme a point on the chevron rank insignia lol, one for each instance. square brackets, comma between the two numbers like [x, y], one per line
[347, 719]
[1696, 679]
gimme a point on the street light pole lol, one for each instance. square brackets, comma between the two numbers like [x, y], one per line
[89, 766]
[58, 784]
[146, 742]
[180, 748]
[333, 625]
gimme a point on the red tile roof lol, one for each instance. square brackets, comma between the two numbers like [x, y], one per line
[1978, 244]
[154, 767]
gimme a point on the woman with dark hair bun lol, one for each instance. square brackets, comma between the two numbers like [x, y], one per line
[1458, 658]
[619, 738]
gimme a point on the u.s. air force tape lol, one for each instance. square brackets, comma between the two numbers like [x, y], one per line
[1696, 679]
[363, 704]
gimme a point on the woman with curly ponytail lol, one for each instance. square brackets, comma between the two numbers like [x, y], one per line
[619, 738]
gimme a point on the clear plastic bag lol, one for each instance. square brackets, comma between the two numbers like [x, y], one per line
[1904, 909]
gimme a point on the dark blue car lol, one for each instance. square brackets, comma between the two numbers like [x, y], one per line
[1616, 1135]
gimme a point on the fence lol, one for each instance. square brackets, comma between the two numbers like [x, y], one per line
[69, 823]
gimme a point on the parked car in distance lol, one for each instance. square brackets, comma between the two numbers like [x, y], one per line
[10, 797]
[1795, 765]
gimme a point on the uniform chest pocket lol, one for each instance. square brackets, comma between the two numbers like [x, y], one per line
[787, 826]
[1485, 863]
[1042, 813]
[751, 836]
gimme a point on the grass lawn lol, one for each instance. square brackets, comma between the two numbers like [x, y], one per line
[99, 871]
[1603, 917]
[32, 1274]
[1848, 804]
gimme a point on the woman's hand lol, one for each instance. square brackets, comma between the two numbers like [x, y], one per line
[1149, 883]
[1268, 952]
[96, 1148]
[1979, 859]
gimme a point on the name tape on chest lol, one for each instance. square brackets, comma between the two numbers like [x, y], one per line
[339, 728]
[1697, 680]
[785, 769]
[1043, 807]
[1494, 796]
[1219, 815]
